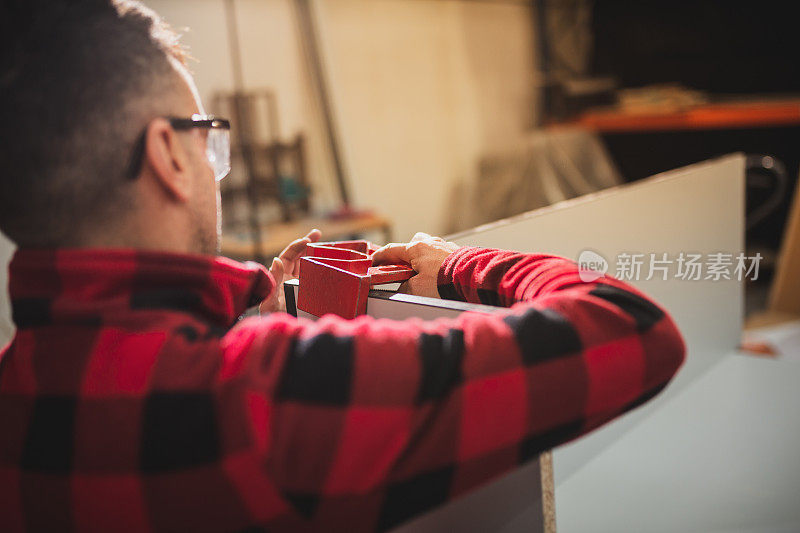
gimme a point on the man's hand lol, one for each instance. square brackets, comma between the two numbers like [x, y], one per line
[284, 267]
[425, 254]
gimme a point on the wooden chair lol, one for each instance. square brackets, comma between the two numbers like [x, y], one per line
[269, 205]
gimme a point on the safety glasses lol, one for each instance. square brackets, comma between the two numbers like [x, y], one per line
[218, 143]
[218, 140]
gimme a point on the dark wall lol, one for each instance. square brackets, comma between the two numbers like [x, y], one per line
[719, 46]
[639, 155]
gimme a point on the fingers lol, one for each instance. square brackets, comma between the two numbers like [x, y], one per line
[314, 235]
[391, 254]
[296, 249]
[422, 236]
[277, 270]
[298, 246]
[401, 252]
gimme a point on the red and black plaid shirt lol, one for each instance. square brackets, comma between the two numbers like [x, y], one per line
[132, 399]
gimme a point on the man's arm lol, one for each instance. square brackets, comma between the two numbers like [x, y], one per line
[402, 416]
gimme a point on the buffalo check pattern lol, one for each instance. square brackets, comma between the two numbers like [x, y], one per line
[133, 399]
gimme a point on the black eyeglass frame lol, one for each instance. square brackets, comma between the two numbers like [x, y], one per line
[199, 121]
[177, 123]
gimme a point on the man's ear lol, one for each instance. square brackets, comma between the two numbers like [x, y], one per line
[166, 156]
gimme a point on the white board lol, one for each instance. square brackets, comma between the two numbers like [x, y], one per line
[697, 209]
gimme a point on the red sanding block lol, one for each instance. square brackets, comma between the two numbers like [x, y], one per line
[335, 277]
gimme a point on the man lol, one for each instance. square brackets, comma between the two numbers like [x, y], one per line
[131, 398]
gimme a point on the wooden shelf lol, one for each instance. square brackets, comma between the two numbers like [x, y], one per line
[736, 115]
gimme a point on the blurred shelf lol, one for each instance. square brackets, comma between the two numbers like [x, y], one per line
[730, 115]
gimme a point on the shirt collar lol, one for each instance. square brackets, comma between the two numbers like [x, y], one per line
[48, 286]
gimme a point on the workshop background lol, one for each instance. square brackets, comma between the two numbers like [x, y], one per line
[381, 118]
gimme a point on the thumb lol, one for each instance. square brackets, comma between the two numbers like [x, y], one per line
[272, 303]
[277, 270]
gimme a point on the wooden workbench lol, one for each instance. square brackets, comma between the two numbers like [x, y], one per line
[275, 237]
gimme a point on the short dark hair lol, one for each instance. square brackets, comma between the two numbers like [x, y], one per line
[79, 80]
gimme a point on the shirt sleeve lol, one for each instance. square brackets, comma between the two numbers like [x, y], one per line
[403, 416]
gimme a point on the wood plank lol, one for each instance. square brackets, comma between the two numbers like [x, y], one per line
[784, 294]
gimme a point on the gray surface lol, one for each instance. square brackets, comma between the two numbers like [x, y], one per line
[724, 455]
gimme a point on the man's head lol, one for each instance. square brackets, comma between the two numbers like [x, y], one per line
[88, 156]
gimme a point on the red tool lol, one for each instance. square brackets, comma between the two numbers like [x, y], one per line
[335, 277]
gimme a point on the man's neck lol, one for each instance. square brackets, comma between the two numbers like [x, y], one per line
[152, 235]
